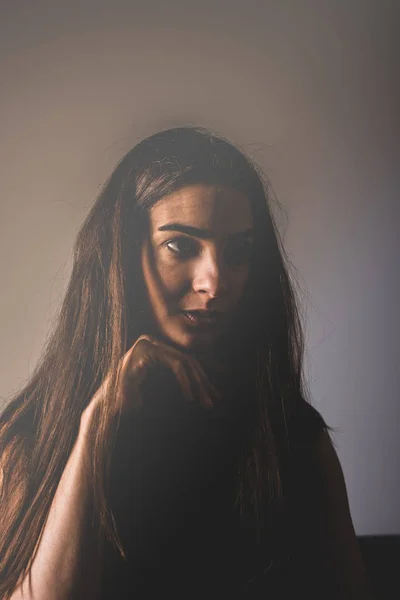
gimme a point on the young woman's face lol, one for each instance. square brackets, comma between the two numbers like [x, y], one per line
[196, 257]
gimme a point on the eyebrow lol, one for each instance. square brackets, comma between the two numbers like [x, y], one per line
[201, 233]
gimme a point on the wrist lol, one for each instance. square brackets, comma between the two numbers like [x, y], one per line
[87, 418]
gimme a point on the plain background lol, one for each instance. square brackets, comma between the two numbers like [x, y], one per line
[309, 88]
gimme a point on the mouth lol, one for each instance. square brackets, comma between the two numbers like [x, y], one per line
[202, 319]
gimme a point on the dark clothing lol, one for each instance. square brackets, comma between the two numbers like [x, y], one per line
[173, 485]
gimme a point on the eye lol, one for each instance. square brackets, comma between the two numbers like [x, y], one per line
[183, 247]
[239, 252]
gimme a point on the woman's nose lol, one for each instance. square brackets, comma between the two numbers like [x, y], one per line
[210, 275]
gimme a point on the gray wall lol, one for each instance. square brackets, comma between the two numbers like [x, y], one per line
[309, 88]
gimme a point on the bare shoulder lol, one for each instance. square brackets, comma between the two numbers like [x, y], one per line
[328, 463]
[339, 544]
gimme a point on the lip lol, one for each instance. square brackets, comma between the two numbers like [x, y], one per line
[202, 318]
[203, 312]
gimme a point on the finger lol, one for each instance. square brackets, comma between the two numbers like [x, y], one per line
[196, 375]
[207, 392]
[185, 383]
[186, 369]
[136, 361]
[154, 351]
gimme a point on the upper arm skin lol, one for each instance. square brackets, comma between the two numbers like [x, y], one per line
[339, 545]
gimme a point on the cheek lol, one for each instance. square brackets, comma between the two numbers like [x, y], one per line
[161, 279]
[172, 276]
[239, 281]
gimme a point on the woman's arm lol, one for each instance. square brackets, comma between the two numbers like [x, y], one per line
[339, 549]
[66, 565]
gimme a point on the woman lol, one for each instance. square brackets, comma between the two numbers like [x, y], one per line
[164, 442]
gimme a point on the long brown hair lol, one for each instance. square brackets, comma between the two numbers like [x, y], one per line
[102, 314]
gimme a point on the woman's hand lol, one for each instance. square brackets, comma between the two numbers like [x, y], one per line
[146, 354]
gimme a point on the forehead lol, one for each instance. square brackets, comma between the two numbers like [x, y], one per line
[220, 209]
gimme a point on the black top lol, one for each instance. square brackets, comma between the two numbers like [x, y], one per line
[172, 490]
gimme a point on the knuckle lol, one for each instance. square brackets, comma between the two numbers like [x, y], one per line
[142, 341]
[140, 362]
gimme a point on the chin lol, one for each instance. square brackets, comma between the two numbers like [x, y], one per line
[192, 342]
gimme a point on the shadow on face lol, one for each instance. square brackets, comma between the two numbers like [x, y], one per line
[196, 256]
